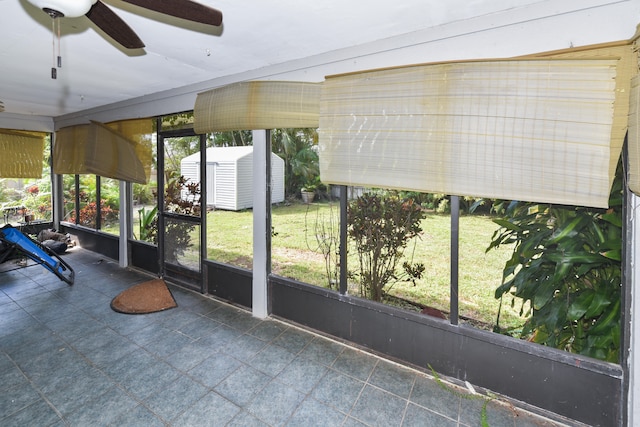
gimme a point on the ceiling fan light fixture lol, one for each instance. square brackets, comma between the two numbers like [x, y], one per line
[68, 8]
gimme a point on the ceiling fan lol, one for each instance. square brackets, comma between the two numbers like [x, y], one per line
[109, 22]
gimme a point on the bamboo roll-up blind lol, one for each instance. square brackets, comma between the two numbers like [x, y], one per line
[140, 132]
[69, 150]
[527, 129]
[98, 149]
[258, 105]
[111, 154]
[634, 137]
[21, 154]
[627, 54]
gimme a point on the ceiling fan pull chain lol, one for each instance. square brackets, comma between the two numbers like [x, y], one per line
[55, 31]
[54, 73]
[59, 56]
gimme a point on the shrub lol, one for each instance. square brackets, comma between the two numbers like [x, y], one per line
[381, 227]
[566, 265]
[142, 194]
[89, 213]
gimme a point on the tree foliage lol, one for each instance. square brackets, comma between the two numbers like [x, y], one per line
[176, 149]
[236, 138]
[297, 147]
[566, 265]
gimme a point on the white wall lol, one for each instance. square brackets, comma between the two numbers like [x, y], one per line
[23, 122]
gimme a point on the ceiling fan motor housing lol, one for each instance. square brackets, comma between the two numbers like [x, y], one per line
[109, 22]
[68, 8]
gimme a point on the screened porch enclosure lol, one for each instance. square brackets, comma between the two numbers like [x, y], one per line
[546, 128]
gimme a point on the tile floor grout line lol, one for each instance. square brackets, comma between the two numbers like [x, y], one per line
[73, 301]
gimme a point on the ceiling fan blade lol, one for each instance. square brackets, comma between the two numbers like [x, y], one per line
[114, 26]
[185, 9]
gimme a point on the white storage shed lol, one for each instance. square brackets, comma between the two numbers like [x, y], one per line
[230, 176]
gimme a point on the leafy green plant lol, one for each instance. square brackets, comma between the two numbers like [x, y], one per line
[110, 193]
[311, 185]
[566, 267]
[89, 214]
[37, 201]
[148, 224]
[143, 193]
[381, 227]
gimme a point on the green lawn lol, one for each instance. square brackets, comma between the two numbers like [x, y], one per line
[295, 254]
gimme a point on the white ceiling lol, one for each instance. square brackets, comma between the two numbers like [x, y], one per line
[255, 34]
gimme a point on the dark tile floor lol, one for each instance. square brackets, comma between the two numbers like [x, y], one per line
[67, 359]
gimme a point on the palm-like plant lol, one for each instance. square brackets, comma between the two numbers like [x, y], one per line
[297, 147]
[236, 138]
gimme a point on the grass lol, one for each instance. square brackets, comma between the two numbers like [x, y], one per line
[295, 254]
[230, 237]
[479, 273]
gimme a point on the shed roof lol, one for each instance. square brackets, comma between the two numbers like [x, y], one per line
[221, 154]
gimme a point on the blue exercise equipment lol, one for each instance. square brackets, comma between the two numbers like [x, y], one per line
[13, 241]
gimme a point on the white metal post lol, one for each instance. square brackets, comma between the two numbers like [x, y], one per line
[123, 243]
[260, 219]
[633, 252]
